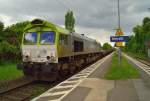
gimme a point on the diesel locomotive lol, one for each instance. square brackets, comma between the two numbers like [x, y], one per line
[50, 51]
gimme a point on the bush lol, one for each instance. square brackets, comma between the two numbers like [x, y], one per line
[8, 51]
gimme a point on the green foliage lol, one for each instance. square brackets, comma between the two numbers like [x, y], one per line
[10, 40]
[70, 21]
[1, 26]
[106, 46]
[8, 48]
[8, 71]
[17, 30]
[146, 20]
[137, 43]
[125, 71]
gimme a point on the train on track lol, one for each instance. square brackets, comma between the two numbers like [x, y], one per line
[50, 51]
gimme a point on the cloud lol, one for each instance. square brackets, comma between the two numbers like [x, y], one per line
[99, 35]
[5, 19]
[92, 16]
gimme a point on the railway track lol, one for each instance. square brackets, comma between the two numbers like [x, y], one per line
[26, 92]
[144, 65]
[144, 62]
[141, 60]
[22, 89]
[9, 85]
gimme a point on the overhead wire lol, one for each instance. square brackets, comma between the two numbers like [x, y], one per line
[63, 4]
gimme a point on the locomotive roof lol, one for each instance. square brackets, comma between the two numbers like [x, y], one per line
[39, 22]
[43, 23]
[84, 37]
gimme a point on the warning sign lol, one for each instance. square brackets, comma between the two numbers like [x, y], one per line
[119, 32]
[119, 39]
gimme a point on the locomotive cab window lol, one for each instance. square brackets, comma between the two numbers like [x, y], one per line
[63, 39]
[30, 38]
[47, 37]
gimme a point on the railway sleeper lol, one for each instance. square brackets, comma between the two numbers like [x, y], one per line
[12, 98]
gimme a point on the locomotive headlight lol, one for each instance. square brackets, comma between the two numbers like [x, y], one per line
[48, 57]
[52, 58]
[26, 55]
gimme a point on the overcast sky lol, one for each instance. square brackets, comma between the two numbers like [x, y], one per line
[95, 18]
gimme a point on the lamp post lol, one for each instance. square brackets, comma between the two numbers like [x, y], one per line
[119, 48]
[118, 14]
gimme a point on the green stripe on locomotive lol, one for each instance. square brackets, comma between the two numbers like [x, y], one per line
[45, 26]
[62, 50]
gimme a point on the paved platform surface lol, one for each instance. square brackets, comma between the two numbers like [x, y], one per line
[124, 90]
[98, 89]
[88, 85]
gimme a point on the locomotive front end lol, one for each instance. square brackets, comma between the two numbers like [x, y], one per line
[39, 47]
[39, 50]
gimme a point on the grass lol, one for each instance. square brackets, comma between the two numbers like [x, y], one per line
[125, 71]
[8, 71]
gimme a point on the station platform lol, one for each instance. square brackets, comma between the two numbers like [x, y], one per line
[89, 85]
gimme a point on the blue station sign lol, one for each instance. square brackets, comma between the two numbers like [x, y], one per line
[119, 38]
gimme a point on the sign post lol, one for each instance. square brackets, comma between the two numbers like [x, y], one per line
[119, 44]
[119, 39]
[119, 33]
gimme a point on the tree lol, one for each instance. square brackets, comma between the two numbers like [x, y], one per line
[146, 20]
[1, 26]
[139, 38]
[1, 30]
[15, 31]
[10, 40]
[137, 42]
[70, 21]
[106, 46]
[131, 45]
